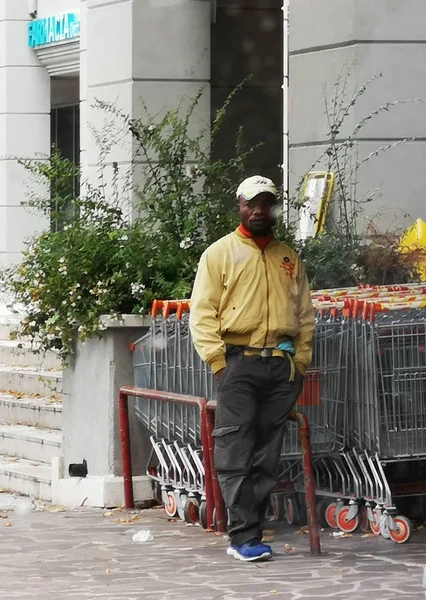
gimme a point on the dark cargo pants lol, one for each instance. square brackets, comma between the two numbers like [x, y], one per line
[255, 396]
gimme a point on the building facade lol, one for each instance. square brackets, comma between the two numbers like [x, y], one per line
[384, 40]
[58, 57]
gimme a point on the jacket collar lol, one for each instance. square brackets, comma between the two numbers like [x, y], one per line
[259, 242]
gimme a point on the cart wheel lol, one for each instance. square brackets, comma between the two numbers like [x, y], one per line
[303, 513]
[330, 515]
[181, 500]
[345, 524]
[278, 508]
[158, 496]
[364, 523]
[292, 511]
[170, 505]
[375, 528]
[321, 511]
[384, 529]
[402, 533]
[191, 511]
[203, 515]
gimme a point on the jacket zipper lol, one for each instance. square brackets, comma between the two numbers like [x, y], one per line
[267, 298]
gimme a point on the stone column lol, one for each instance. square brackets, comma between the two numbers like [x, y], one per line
[137, 53]
[24, 126]
[384, 36]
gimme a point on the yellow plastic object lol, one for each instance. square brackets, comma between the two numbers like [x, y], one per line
[315, 199]
[415, 239]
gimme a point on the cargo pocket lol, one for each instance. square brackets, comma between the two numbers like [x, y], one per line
[227, 447]
[221, 431]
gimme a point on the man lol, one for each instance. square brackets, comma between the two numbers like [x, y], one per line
[252, 321]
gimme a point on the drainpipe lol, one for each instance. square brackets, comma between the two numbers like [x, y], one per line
[285, 87]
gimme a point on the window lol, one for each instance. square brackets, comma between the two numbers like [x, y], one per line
[65, 136]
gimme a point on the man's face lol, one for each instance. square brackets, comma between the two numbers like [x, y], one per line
[258, 215]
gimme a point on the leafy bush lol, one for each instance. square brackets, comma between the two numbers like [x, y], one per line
[97, 261]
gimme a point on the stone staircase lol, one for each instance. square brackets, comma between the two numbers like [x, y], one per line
[30, 415]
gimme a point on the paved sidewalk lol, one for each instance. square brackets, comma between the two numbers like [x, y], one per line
[89, 554]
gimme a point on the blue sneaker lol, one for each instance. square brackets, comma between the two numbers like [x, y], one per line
[250, 551]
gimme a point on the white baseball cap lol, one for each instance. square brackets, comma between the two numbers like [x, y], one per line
[253, 186]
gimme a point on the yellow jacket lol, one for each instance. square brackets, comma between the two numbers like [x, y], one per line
[247, 297]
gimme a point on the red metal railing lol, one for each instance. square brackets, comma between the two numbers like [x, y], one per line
[134, 392]
[212, 491]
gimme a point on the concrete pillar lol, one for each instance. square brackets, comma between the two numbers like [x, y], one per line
[24, 127]
[136, 53]
[384, 36]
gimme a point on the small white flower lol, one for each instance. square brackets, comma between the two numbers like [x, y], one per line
[78, 297]
[77, 285]
[186, 243]
[62, 260]
[81, 329]
[50, 336]
[123, 238]
[32, 323]
[137, 289]
[191, 171]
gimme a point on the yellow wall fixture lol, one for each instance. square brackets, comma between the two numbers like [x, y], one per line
[314, 202]
[414, 240]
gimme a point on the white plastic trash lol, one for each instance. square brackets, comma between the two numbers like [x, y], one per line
[142, 536]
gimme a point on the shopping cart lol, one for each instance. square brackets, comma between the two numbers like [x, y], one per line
[385, 397]
[363, 397]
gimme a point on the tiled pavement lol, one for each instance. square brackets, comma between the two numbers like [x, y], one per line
[86, 555]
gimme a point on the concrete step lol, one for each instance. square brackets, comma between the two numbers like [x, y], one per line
[18, 353]
[31, 410]
[33, 443]
[30, 380]
[26, 477]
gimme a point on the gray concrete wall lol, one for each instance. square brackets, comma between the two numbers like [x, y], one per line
[90, 405]
[368, 38]
[247, 40]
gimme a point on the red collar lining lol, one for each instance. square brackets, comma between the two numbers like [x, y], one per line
[261, 242]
